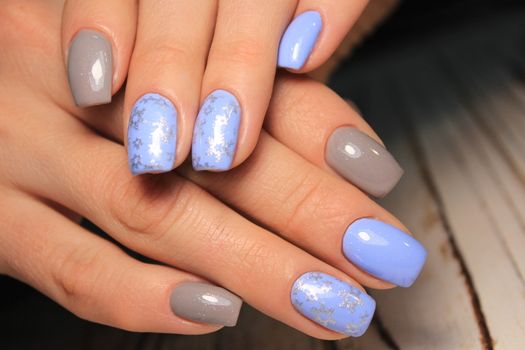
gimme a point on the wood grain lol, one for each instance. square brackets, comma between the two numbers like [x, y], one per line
[452, 111]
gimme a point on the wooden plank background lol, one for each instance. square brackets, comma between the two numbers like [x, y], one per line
[452, 109]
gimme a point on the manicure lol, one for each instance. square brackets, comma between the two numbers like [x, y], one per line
[90, 68]
[362, 161]
[332, 303]
[384, 251]
[215, 133]
[299, 40]
[152, 135]
[206, 303]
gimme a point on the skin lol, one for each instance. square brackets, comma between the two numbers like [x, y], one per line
[61, 162]
[187, 49]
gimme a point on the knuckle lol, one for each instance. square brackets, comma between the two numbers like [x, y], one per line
[22, 23]
[257, 256]
[75, 272]
[241, 52]
[240, 253]
[163, 52]
[149, 206]
[310, 200]
[82, 280]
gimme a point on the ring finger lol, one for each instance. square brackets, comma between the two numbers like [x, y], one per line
[338, 138]
[174, 221]
[238, 81]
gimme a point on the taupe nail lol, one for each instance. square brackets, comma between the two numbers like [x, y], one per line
[362, 161]
[206, 303]
[90, 68]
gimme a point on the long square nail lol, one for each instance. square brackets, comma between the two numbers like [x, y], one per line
[215, 132]
[362, 161]
[152, 135]
[206, 303]
[299, 40]
[333, 303]
[384, 251]
[90, 68]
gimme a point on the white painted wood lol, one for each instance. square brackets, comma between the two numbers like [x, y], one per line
[474, 180]
[436, 312]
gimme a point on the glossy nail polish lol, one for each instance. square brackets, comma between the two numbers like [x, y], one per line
[362, 161]
[299, 40]
[152, 135]
[215, 133]
[332, 303]
[384, 251]
[90, 68]
[206, 303]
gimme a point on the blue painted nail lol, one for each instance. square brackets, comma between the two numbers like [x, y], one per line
[299, 40]
[384, 251]
[152, 135]
[215, 133]
[332, 303]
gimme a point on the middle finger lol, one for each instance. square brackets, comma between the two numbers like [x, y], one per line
[176, 222]
[163, 90]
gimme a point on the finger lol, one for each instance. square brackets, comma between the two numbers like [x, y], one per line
[238, 81]
[317, 124]
[174, 221]
[320, 213]
[97, 41]
[172, 45]
[316, 31]
[88, 275]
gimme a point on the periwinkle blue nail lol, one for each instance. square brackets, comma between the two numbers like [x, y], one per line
[215, 132]
[384, 251]
[152, 135]
[299, 39]
[333, 303]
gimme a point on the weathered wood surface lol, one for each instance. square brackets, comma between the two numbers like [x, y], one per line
[456, 122]
[455, 116]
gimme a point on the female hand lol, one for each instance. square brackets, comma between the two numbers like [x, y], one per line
[211, 62]
[301, 257]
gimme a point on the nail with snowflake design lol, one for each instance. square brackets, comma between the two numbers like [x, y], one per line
[215, 133]
[152, 135]
[332, 303]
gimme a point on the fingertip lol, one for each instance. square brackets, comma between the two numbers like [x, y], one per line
[299, 40]
[97, 41]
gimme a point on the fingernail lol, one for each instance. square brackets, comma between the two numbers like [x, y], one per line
[152, 135]
[90, 68]
[299, 40]
[215, 133]
[362, 161]
[206, 303]
[384, 251]
[332, 303]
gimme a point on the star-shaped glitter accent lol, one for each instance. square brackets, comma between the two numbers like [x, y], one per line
[208, 109]
[323, 315]
[137, 143]
[137, 118]
[316, 276]
[136, 161]
[349, 300]
[211, 99]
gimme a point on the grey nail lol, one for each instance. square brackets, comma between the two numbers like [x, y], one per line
[206, 303]
[90, 68]
[361, 160]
